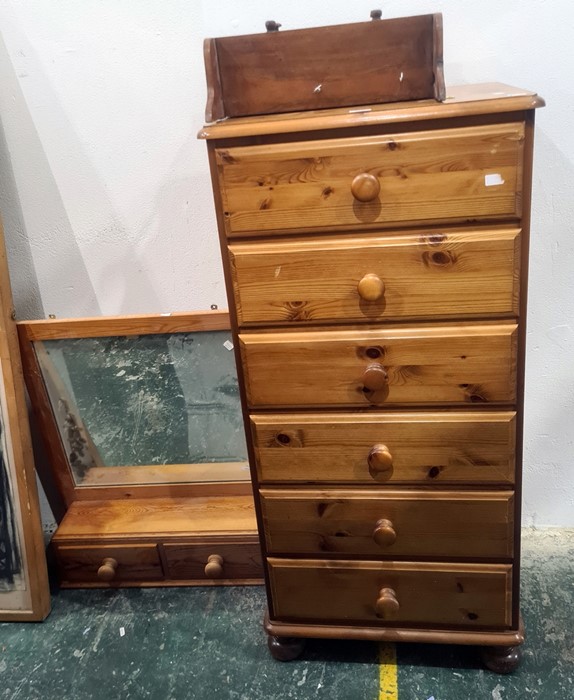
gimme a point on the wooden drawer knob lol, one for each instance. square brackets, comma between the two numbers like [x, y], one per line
[380, 460]
[384, 533]
[108, 569]
[371, 287]
[365, 187]
[375, 377]
[214, 566]
[387, 605]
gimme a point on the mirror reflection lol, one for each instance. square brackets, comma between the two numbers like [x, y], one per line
[143, 409]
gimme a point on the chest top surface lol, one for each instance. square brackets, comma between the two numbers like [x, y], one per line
[461, 101]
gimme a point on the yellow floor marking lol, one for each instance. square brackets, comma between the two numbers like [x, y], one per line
[388, 688]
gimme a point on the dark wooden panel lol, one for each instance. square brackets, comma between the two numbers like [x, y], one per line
[349, 64]
[460, 595]
[389, 523]
[133, 563]
[239, 560]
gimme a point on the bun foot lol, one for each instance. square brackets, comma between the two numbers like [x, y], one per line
[501, 659]
[285, 648]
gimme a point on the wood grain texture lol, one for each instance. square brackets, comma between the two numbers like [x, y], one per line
[214, 108]
[423, 175]
[267, 73]
[461, 101]
[427, 523]
[209, 472]
[158, 517]
[426, 448]
[327, 454]
[241, 560]
[433, 365]
[79, 564]
[417, 635]
[459, 595]
[425, 274]
[141, 324]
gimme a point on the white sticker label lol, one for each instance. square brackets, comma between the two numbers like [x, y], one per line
[122, 631]
[228, 344]
[492, 179]
[168, 313]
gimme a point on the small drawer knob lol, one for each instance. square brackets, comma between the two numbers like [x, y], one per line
[387, 605]
[371, 287]
[214, 566]
[365, 187]
[384, 533]
[375, 377]
[108, 569]
[380, 460]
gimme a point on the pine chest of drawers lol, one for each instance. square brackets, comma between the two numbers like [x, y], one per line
[376, 265]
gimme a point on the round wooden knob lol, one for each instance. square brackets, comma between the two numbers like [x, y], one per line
[380, 460]
[365, 187]
[387, 605]
[214, 566]
[108, 569]
[375, 377]
[384, 533]
[371, 287]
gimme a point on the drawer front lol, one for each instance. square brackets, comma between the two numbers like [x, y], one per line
[441, 175]
[134, 563]
[425, 274]
[458, 595]
[400, 523]
[456, 364]
[424, 448]
[238, 560]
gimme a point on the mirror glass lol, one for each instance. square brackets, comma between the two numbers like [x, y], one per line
[147, 409]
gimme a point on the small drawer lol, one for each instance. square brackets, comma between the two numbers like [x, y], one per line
[109, 564]
[348, 278]
[355, 183]
[427, 365]
[389, 523]
[213, 562]
[395, 593]
[415, 447]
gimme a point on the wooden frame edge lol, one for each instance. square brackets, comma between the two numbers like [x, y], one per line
[215, 108]
[99, 327]
[508, 638]
[438, 63]
[139, 324]
[25, 490]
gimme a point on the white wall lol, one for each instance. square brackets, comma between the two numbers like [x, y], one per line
[106, 196]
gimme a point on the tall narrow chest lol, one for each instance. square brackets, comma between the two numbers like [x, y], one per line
[376, 263]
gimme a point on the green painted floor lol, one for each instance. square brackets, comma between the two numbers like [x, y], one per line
[201, 643]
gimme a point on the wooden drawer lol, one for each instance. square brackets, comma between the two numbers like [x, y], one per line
[424, 448]
[451, 364]
[134, 562]
[458, 595]
[238, 560]
[436, 175]
[348, 278]
[389, 523]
